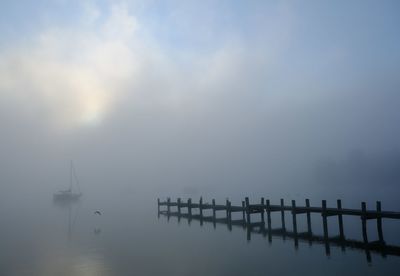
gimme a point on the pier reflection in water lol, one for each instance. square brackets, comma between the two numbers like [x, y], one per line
[266, 230]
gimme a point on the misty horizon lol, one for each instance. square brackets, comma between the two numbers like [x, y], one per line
[213, 99]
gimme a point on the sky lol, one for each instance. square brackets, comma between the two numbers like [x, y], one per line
[193, 97]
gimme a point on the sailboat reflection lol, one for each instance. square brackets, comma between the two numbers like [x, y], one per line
[73, 211]
[74, 257]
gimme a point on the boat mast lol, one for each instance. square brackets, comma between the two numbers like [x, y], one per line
[73, 175]
[70, 177]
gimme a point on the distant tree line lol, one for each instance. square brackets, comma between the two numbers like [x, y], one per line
[359, 168]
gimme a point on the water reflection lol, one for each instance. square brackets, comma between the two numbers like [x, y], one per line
[260, 228]
[73, 207]
[71, 258]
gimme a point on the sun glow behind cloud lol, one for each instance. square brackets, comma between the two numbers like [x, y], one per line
[207, 77]
[75, 73]
[105, 58]
[78, 73]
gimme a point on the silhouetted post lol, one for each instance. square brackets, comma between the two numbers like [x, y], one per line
[325, 223]
[309, 230]
[283, 215]
[228, 210]
[247, 210]
[364, 230]
[213, 208]
[294, 217]
[340, 219]
[201, 211]
[364, 221]
[214, 215]
[325, 219]
[294, 222]
[379, 221]
[179, 206]
[158, 205]
[201, 207]
[268, 215]
[168, 208]
[243, 212]
[262, 210]
[228, 214]
[189, 202]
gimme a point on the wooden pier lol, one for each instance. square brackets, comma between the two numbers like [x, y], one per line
[265, 207]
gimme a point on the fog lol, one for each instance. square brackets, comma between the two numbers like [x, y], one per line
[210, 99]
[220, 99]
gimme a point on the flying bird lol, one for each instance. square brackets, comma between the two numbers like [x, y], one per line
[97, 213]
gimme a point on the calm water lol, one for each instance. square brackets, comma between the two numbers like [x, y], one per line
[38, 237]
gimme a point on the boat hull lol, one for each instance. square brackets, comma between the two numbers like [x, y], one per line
[66, 197]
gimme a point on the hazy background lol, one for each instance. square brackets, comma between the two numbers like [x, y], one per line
[281, 99]
[187, 98]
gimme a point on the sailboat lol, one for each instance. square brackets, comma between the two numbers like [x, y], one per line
[69, 195]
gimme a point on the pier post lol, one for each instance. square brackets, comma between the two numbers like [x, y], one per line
[201, 207]
[243, 212]
[340, 219]
[201, 211]
[168, 205]
[268, 208]
[228, 210]
[294, 223]
[213, 208]
[214, 215]
[364, 230]
[158, 205]
[179, 206]
[325, 224]
[364, 221]
[294, 217]
[309, 230]
[228, 215]
[379, 221]
[262, 210]
[247, 210]
[325, 219]
[268, 215]
[283, 215]
[189, 202]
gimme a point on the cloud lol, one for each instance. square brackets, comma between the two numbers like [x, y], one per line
[74, 74]
[114, 63]
[207, 92]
